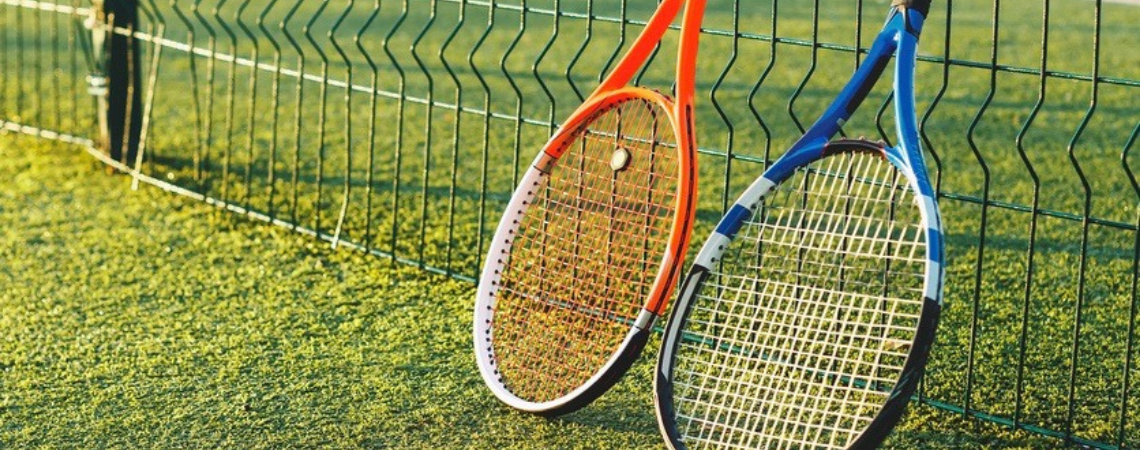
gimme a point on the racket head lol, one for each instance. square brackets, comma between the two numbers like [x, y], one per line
[586, 255]
[788, 335]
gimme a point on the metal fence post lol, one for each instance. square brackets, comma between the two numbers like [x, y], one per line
[117, 78]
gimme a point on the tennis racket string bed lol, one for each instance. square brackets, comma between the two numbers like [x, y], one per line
[591, 245]
[561, 309]
[808, 315]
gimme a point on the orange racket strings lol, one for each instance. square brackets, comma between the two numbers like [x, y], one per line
[563, 309]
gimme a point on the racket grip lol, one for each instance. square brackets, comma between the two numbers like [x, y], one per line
[922, 6]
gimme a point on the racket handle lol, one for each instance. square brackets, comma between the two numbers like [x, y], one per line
[922, 6]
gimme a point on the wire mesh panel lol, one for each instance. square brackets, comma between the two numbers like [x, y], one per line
[43, 49]
[399, 127]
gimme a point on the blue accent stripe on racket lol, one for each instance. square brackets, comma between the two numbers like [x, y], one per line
[733, 221]
[935, 245]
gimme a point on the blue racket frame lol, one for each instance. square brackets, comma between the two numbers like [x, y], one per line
[900, 34]
[899, 37]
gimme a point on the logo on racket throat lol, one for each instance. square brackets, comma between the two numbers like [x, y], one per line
[620, 159]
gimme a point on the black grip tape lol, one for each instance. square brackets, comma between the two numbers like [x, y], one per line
[922, 6]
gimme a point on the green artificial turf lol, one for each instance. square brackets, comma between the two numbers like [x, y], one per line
[139, 319]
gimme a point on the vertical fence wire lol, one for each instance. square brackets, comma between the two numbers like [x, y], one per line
[1023, 337]
[971, 131]
[1086, 214]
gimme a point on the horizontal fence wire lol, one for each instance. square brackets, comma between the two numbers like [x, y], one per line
[400, 127]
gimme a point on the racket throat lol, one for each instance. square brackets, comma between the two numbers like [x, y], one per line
[645, 320]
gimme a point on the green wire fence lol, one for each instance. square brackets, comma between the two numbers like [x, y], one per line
[399, 128]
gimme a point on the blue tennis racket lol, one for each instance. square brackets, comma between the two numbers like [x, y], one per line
[809, 313]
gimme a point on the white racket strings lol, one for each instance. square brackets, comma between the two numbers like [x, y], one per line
[799, 334]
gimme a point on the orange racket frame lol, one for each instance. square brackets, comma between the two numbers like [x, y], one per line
[614, 90]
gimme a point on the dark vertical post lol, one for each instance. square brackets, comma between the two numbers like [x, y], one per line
[124, 96]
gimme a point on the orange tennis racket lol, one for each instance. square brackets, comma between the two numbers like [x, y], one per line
[593, 240]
